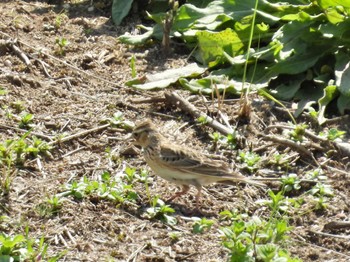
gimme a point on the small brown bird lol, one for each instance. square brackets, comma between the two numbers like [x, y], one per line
[182, 166]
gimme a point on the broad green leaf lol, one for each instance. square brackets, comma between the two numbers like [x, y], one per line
[156, 32]
[307, 96]
[164, 79]
[286, 91]
[342, 73]
[209, 84]
[120, 9]
[213, 44]
[343, 103]
[329, 93]
[136, 39]
[336, 11]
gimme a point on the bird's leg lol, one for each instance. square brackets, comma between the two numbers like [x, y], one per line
[199, 193]
[184, 190]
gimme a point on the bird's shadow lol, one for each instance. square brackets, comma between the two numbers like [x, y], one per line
[190, 211]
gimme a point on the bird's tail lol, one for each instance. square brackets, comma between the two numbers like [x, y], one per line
[245, 180]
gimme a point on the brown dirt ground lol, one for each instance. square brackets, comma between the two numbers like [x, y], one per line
[78, 98]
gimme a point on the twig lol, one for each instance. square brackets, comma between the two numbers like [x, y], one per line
[82, 133]
[72, 152]
[337, 120]
[25, 131]
[306, 132]
[149, 100]
[44, 67]
[337, 225]
[62, 240]
[177, 100]
[299, 148]
[134, 255]
[66, 231]
[12, 44]
[327, 234]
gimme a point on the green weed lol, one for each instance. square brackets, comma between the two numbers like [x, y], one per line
[159, 210]
[249, 159]
[202, 225]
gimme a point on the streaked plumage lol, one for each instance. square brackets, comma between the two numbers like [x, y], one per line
[182, 166]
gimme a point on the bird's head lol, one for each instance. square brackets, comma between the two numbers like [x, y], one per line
[145, 134]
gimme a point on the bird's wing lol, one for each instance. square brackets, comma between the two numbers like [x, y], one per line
[190, 162]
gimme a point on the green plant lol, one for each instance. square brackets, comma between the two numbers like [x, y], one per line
[14, 153]
[133, 66]
[62, 44]
[254, 41]
[3, 91]
[159, 210]
[230, 140]
[18, 106]
[51, 206]
[38, 147]
[202, 120]
[174, 236]
[290, 182]
[55, 204]
[202, 225]
[280, 160]
[297, 134]
[22, 248]
[118, 120]
[333, 134]
[26, 120]
[250, 160]
[106, 187]
[257, 239]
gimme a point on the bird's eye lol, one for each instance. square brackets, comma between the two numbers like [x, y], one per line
[136, 135]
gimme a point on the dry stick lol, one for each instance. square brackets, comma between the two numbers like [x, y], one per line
[25, 131]
[134, 255]
[11, 44]
[307, 133]
[150, 100]
[337, 225]
[342, 147]
[177, 100]
[82, 133]
[328, 235]
[72, 152]
[299, 148]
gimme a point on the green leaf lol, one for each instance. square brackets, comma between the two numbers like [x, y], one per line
[342, 73]
[343, 103]
[286, 91]
[213, 44]
[164, 79]
[329, 93]
[120, 9]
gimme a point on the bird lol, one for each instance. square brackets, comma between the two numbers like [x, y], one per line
[182, 166]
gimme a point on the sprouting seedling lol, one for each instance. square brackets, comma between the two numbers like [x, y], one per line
[26, 120]
[202, 225]
[133, 66]
[298, 133]
[333, 134]
[118, 120]
[159, 210]
[62, 43]
[250, 159]
[203, 120]
[291, 182]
